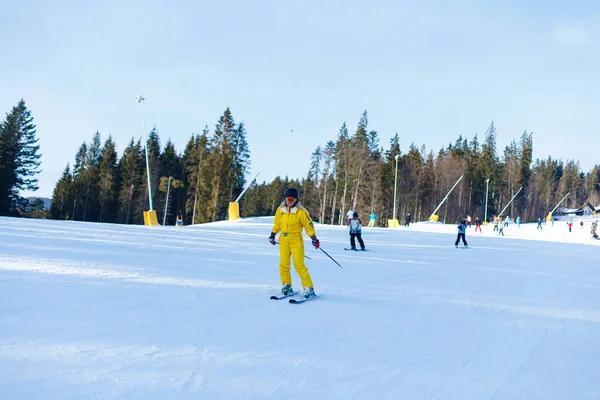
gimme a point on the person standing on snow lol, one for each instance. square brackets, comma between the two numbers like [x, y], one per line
[462, 229]
[290, 218]
[478, 225]
[355, 232]
[539, 225]
[407, 220]
[372, 219]
[349, 215]
[594, 229]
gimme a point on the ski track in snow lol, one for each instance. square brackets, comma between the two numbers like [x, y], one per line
[109, 311]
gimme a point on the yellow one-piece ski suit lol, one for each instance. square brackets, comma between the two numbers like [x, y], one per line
[290, 221]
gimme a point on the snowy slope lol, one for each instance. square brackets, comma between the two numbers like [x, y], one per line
[100, 311]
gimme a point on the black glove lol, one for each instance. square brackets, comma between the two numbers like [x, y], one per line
[315, 241]
[272, 239]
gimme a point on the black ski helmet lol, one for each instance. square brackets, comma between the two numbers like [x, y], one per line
[463, 220]
[292, 192]
[355, 215]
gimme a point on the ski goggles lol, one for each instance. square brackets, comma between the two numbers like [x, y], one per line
[290, 199]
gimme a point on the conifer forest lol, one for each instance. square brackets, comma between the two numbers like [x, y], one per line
[353, 169]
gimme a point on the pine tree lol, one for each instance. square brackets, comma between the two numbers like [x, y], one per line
[490, 168]
[474, 176]
[19, 157]
[343, 165]
[240, 161]
[170, 166]
[327, 176]
[79, 178]
[388, 176]
[359, 163]
[221, 158]
[373, 172]
[571, 182]
[131, 167]
[37, 209]
[592, 185]
[153, 148]
[62, 196]
[427, 188]
[90, 179]
[526, 147]
[255, 203]
[409, 174]
[169, 186]
[108, 182]
[194, 160]
[311, 196]
[512, 173]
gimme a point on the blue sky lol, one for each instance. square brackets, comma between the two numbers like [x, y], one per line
[428, 70]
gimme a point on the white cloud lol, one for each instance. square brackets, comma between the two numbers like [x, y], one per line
[569, 35]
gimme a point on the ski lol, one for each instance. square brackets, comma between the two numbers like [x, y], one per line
[283, 297]
[303, 300]
[355, 249]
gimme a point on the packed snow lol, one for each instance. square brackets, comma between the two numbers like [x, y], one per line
[102, 311]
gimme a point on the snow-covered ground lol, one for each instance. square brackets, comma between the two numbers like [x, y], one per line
[100, 311]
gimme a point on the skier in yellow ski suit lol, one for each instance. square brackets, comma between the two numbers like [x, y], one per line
[290, 218]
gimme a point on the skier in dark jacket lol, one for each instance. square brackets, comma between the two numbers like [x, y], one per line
[462, 229]
[478, 224]
[355, 228]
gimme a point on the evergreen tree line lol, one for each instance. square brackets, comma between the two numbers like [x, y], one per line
[355, 171]
[19, 163]
[100, 186]
[352, 171]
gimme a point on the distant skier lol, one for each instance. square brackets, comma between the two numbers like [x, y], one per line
[179, 220]
[355, 228]
[501, 228]
[290, 218]
[407, 220]
[478, 225]
[462, 229]
[594, 230]
[349, 215]
[570, 225]
[518, 222]
[372, 219]
[539, 225]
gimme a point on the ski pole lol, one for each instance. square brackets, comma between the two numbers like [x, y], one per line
[331, 257]
[304, 255]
